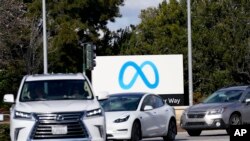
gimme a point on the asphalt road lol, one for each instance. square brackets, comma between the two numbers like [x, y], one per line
[211, 135]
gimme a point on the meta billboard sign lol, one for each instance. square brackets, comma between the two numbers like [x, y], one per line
[159, 74]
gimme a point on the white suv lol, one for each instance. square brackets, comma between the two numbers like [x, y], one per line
[55, 113]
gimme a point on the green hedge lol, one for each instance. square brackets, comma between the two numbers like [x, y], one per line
[4, 132]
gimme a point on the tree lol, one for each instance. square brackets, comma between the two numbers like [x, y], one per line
[19, 37]
[162, 30]
[220, 43]
[71, 23]
[15, 45]
[11, 22]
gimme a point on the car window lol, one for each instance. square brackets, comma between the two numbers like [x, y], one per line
[121, 103]
[247, 95]
[146, 101]
[224, 96]
[55, 90]
[153, 101]
[158, 102]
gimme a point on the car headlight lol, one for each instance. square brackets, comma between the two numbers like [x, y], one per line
[22, 115]
[216, 111]
[95, 112]
[122, 119]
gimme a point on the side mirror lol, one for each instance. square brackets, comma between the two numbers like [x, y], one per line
[148, 107]
[102, 96]
[247, 100]
[8, 98]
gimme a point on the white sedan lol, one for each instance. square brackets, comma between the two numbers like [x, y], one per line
[133, 116]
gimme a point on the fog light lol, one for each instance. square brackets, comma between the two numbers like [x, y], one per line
[218, 124]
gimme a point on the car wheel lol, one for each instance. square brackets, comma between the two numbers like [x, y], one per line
[194, 132]
[235, 119]
[172, 131]
[136, 132]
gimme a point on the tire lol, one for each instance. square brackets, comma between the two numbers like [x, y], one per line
[235, 119]
[194, 132]
[172, 131]
[135, 132]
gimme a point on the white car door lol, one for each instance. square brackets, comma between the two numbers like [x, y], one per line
[148, 119]
[162, 116]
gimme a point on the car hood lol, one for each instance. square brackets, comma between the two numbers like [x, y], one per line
[57, 106]
[202, 107]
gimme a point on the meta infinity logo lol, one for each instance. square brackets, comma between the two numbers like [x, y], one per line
[138, 73]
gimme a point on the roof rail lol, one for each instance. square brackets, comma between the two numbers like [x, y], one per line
[235, 85]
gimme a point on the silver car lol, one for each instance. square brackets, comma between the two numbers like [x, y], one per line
[225, 107]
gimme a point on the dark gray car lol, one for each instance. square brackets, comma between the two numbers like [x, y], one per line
[225, 107]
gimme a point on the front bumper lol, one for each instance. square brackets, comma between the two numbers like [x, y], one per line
[93, 129]
[204, 122]
[119, 130]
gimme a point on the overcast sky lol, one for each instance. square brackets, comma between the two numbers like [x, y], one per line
[131, 11]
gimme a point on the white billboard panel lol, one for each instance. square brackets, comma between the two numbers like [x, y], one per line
[160, 74]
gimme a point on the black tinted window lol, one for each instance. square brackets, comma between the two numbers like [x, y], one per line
[121, 103]
[159, 102]
[146, 101]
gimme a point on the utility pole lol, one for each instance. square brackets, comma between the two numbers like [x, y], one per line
[190, 72]
[45, 60]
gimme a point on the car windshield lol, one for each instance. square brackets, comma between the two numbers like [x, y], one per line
[224, 96]
[121, 103]
[55, 90]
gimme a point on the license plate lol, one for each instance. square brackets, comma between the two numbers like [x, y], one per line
[59, 129]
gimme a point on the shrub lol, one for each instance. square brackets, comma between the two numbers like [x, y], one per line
[4, 132]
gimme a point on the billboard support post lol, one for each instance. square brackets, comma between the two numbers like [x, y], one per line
[45, 60]
[190, 77]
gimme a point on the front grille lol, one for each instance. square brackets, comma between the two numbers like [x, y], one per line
[71, 121]
[196, 115]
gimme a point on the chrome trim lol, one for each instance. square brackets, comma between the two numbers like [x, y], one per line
[72, 120]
